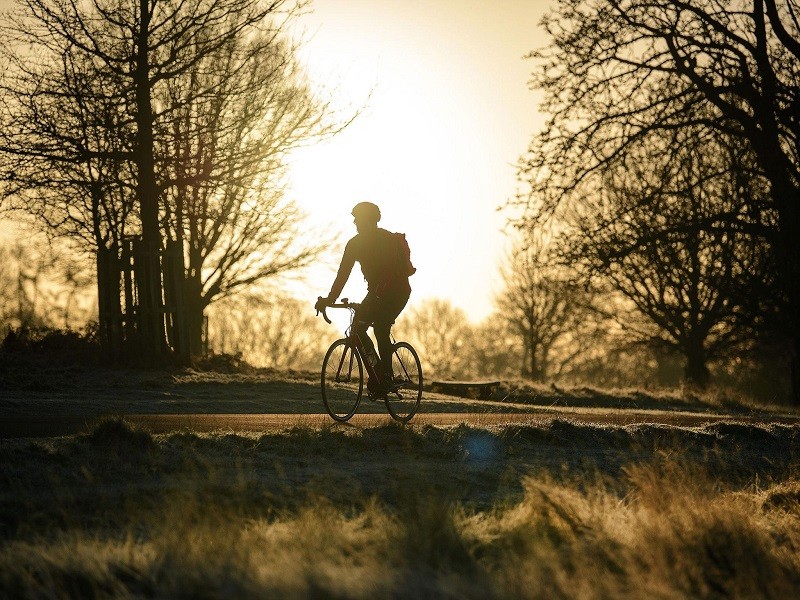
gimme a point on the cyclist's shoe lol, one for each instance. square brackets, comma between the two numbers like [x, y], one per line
[399, 381]
[395, 382]
[389, 384]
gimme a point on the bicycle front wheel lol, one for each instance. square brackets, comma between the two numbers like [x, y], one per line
[342, 380]
[403, 399]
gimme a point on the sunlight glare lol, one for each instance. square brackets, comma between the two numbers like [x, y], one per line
[430, 146]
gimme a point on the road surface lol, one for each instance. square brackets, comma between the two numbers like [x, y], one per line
[32, 426]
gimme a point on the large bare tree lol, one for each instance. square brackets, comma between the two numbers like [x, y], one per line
[237, 115]
[168, 118]
[703, 288]
[618, 71]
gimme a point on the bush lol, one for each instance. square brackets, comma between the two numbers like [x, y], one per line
[223, 363]
[53, 346]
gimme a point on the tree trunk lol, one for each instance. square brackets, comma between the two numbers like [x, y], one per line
[108, 301]
[151, 317]
[789, 270]
[787, 253]
[695, 371]
[523, 369]
[534, 364]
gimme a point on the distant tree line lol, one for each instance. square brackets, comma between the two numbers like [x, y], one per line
[282, 332]
[169, 121]
[44, 286]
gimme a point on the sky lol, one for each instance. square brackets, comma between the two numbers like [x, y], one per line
[446, 113]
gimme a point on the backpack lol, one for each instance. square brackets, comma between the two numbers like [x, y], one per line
[404, 266]
[395, 263]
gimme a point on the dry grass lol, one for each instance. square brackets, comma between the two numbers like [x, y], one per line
[562, 511]
[714, 399]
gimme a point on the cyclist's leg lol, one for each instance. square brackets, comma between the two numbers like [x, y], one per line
[387, 310]
[362, 320]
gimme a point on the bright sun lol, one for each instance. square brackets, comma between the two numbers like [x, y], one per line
[431, 146]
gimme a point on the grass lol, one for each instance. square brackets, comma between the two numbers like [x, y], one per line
[558, 511]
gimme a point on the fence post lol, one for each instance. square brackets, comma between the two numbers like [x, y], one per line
[127, 318]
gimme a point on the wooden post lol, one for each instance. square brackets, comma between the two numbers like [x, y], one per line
[130, 320]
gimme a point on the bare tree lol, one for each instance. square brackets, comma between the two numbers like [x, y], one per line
[64, 142]
[700, 287]
[60, 146]
[237, 115]
[41, 285]
[544, 308]
[275, 331]
[441, 333]
[494, 349]
[184, 111]
[126, 51]
[618, 71]
[24, 270]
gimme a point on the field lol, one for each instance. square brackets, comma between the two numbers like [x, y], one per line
[558, 507]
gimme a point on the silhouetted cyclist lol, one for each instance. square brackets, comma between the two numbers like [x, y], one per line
[386, 266]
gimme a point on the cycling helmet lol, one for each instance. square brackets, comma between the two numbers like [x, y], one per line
[367, 210]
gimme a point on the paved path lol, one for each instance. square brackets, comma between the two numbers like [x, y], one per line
[162, 423]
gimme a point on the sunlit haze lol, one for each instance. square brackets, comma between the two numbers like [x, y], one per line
[441, 88]
[446, 114]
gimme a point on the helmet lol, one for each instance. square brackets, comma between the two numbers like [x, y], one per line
[367, 210]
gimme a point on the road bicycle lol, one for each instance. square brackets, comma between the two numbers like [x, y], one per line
[343, 369]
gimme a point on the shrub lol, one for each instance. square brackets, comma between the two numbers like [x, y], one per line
[52, 346]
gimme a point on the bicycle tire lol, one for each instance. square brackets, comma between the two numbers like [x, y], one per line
[403, 400]
[342, 388]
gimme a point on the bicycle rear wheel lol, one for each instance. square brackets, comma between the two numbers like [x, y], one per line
[342, 380]
[406, 392]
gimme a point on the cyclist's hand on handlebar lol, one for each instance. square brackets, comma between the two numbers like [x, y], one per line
[320, 306]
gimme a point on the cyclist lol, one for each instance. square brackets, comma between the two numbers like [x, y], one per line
[388, 289]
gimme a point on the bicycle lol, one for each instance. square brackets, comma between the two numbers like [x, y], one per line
[342, 378]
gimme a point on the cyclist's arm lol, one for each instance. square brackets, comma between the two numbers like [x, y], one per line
[346, 266]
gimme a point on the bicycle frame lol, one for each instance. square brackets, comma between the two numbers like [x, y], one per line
[354, 341]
